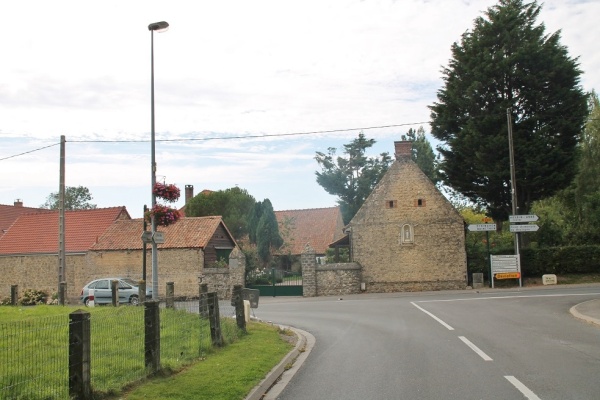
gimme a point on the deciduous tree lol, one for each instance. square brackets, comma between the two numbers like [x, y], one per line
[76, 198]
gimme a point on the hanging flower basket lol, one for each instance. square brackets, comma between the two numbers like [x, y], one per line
[166, 192]
[164, 215]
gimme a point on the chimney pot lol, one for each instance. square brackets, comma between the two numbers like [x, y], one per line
[18, 203]
[189, 193]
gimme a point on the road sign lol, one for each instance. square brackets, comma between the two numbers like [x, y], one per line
[524, 228]
[505, 263]
[147, 237]
[523, 218]
[508, 275]
[481, 227]
[158, 238]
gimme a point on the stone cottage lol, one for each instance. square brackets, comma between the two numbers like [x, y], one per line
[407, 236]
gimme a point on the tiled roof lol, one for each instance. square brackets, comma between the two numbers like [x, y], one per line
[188, 232]
[38, 232]
[317, 226]
[9, 214]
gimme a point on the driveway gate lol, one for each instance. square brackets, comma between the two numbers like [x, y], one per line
[275, 282]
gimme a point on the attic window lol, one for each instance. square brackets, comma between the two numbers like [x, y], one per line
[420, 203]
[391, 204]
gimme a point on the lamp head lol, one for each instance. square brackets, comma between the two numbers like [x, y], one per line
[158, 26]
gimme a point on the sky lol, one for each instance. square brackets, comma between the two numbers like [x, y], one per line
[246, 92]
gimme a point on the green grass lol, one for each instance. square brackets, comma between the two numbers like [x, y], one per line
[34, 348]
[229, 373]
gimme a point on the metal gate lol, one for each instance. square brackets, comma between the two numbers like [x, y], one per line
[275, 282]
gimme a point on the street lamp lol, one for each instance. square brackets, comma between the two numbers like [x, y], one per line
[159, 27]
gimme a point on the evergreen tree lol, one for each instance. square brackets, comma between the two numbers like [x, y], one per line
[422, 153]
[351, 178]
[507, 62]
[267, 234]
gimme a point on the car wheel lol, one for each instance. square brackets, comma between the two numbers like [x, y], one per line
[86, 301]
[134, 300]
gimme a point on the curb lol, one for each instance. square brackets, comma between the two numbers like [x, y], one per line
[271, 386]
[587, 318]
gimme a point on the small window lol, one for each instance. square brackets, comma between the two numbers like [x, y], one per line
[391, 204]
[420, 203]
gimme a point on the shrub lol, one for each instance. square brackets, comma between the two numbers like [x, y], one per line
[32, 297]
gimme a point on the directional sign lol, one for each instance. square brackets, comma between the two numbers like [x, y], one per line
[481, 227]
[523, 218]
[158, 238]
[147, 237]
[524, 228]
[505, 263]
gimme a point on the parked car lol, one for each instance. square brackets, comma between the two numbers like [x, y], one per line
[128, 291]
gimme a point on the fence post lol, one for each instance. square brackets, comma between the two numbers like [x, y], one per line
[114, 289]
[170, 295]
[214, 318]
[79, 355]
[14, 294]
[62, 293]
[203, 306]
[142, 291]
[238, 301]
[152, 335]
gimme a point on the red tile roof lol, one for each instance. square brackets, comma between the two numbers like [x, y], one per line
[316, 226]
[38, 232]
[9, 214]
[188, 232]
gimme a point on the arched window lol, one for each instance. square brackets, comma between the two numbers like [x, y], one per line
[407, 234]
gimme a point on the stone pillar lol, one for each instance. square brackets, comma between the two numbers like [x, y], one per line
[309, 272]
[237, 267]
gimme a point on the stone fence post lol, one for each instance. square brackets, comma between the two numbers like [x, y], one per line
[309, 272]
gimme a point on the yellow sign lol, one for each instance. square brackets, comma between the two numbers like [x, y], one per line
[508, 275]
[486, 219]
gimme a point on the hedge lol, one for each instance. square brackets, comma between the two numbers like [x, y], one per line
[560, 260]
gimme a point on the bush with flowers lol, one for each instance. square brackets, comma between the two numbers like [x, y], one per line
[164, 215]
[167, 192]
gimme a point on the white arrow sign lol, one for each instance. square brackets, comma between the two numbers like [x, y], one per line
[481, 227]
[524, 228]
[523, 218]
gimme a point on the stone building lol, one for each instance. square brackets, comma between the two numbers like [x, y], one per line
[407, 236]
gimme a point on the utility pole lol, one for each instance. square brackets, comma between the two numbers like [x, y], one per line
[61, 222]
[513, 180]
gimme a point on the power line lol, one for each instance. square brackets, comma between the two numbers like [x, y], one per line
[30, 151]
[251, 136]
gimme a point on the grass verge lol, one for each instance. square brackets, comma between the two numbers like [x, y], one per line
[229, 373]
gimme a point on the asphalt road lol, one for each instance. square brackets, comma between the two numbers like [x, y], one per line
[492, 344]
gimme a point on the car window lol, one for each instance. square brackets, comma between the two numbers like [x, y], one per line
[103, 284]
[124, 285]
[129, 281]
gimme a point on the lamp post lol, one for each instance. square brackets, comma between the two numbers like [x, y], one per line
[159, 27]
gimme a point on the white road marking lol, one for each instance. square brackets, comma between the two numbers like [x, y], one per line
[433, 316]
[522, 388]
[506, 297]
[475, 348]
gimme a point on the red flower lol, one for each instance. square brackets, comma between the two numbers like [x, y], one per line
[166, 192]
[164, 215]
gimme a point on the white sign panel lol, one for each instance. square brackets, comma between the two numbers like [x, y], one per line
[506, 263]
[158, 238]
[524, 228]
[523, 218]
[481, 227]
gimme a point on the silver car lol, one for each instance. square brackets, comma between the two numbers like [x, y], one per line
[128, 291]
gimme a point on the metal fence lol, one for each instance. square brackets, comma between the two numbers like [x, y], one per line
[34, 354]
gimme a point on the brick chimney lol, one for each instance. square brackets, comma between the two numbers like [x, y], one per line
[18, 203]
[189, 193]
[403, 149]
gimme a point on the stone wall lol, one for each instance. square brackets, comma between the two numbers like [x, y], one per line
[329, 279]
[183, 267]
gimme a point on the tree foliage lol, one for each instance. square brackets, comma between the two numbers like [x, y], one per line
[267, 237]
[76, 198]
[233, 205]
[422, 153]
[351, 178]
[507, 62]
